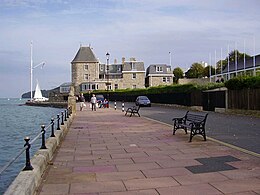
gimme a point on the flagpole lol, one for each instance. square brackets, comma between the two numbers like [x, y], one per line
[236, 57]
[254, 74]
[244, 57]
[228, 63]
[209, 67]
[215, 64]
[221, 61]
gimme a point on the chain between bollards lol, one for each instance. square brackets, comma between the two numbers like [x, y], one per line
[28, 166]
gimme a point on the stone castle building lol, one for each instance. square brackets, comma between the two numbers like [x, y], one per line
[89, 74]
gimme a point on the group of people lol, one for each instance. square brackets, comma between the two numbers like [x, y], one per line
[93, 102]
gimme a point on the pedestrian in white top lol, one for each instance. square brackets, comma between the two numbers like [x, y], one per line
[93, 102]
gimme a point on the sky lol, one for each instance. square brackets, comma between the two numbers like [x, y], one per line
[153, 31]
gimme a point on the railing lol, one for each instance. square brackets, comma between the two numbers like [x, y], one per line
[64, 116]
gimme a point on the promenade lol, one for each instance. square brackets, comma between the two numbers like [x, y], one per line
[107, 153]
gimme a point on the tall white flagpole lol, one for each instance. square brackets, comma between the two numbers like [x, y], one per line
[215, 64]
[254, 57]
[228, 62]
[209, 67]
[236, 57]
[244, 56]
[170, 55]
[221, 61]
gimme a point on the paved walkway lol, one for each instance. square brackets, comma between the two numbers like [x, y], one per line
[106, 153]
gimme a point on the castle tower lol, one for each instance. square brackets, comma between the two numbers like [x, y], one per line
[84, 68]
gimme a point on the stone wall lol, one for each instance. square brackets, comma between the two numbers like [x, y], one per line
[197, 81]
[129, 82]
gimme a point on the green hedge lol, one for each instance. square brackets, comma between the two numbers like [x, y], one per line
[187, 88]
[244, 82]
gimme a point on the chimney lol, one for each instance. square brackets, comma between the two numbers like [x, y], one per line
[123, 60]
[115, 61]
[132, 59]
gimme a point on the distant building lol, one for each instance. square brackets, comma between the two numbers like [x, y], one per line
[158, 74]
[89, 74]
[249, 66]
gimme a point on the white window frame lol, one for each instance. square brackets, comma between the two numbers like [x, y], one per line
[86, 77]
[159, 69]
[85, 66]
[134, 76]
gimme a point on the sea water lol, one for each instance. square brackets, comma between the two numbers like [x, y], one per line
[16, 122]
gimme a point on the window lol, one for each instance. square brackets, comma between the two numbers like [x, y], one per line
[116, 86]
[86, 76]
[159, 69]
[168, 69]
[133, 66]
[134, 86]
[101, 67]
[85, 66]
[168, 79]
[134, 76]
[164, 79]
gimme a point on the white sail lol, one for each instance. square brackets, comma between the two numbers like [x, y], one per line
[38, 94]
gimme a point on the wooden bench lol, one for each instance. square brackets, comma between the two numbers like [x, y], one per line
[194, 122]
[133, 110]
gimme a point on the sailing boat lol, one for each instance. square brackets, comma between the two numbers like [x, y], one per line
[38, 94]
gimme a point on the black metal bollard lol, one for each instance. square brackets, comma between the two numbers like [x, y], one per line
[115, 104]
[43, 137]
[62, 118]
[68, 113]
[65, 115]
[58, 122]
[52, 127]
[123, 106]
[28, 166]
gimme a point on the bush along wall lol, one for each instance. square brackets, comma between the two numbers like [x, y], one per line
[187, 95]
[246, 82]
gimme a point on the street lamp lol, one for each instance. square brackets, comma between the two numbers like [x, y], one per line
[107, 69]
[33, 67]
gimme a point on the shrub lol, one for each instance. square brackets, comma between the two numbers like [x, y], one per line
[243, 82]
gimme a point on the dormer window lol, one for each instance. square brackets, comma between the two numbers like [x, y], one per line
[133, 66]
[159, 68]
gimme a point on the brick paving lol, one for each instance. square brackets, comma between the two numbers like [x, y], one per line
[107, 153]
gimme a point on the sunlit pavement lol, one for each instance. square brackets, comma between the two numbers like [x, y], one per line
[107, 153]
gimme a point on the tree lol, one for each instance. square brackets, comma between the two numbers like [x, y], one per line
[206, 72]
[195, 71]
[232, 56]
[178, 73]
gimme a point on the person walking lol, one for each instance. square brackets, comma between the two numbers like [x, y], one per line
[82, 101]
[93, 102]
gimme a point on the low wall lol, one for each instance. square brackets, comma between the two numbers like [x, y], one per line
[27, 181]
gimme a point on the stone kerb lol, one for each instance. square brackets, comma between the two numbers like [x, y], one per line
[27, 181]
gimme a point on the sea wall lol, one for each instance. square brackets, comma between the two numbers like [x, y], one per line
[27, 182]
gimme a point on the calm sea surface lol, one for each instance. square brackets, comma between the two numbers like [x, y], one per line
[16, 122]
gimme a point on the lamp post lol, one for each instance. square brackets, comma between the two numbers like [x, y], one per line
[33, 67]
[107, 69]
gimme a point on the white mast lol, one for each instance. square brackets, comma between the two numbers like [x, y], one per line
[31, 67]
[221, 61]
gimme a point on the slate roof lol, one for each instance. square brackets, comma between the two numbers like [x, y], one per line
[152, 69]
[240, 64]
[139, 66]
[85, 54]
